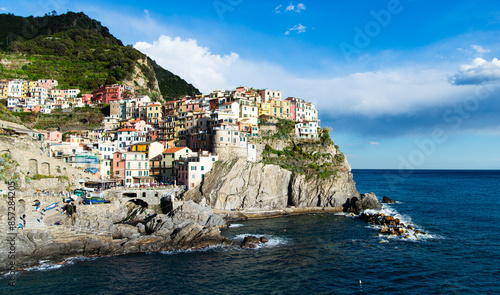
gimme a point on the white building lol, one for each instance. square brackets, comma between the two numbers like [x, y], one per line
[307, 130]
[268, 94]
[126, 137]
[16, 88]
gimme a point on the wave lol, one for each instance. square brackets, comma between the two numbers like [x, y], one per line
[272, 241]
[174, 252]
[46, 265]
[235, 225]
[411, 235]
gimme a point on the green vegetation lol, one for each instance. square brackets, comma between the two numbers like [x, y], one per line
[6, 115]
[80, 118]
[295, 159]
[78, 52]
[7, 170]
[307, 157]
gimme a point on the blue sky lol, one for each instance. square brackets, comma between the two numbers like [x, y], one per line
[403, 84]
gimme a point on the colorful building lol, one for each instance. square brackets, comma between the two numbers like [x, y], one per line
[192, 169]
[169, 157]
[130, 168]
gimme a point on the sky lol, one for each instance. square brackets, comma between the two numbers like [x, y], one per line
[403, 84]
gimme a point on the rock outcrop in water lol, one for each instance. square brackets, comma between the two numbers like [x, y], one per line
[98, 230]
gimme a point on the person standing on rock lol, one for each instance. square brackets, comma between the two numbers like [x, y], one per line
[71, 212]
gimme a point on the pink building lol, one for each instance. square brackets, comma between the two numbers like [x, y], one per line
[118, 168]
[86, 98]
[293, 108]
[192, 170]
[242, 89]
[54, 136]
[138, 125]
[194, 105]
[109, 93]
[47, 84]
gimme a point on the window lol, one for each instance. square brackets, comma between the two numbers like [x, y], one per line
[202, 168]
[222, 139]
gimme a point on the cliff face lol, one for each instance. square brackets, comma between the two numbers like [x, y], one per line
[289, 172]
[239, 184]
[333, 191]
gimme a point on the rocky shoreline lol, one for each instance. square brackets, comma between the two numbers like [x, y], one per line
[122, 228]
[102, 230]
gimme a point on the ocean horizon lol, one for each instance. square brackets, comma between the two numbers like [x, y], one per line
[322, 253]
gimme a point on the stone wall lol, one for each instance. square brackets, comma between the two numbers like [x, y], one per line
[33, 159]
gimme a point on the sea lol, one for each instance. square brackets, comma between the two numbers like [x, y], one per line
[321, 253]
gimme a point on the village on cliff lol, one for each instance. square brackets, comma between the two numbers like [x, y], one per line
[143, 143]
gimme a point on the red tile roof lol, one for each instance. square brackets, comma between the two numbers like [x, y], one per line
[173, 149]
[127, 129]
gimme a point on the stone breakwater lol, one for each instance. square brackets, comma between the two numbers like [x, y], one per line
[112, 229]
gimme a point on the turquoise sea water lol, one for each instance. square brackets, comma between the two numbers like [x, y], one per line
[322, 254]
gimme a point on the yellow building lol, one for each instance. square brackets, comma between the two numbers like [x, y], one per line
[280, 108]
[150, 148]
[154, 113]
[4, 88]
[265, 109]
[26, 88]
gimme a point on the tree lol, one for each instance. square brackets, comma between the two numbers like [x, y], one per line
[110, 80]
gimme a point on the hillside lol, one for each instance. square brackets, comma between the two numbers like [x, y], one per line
[80, 53]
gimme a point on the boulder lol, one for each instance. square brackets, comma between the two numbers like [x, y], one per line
[203, 215]
[250, 242]
[362, 203]
[124, 231]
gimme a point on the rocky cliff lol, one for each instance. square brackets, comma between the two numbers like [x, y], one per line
[288, 174]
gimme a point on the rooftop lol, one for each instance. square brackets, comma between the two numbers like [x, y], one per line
[174, 149]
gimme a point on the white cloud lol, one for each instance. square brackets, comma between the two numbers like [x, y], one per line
[3, 9]
[480, 49]
[297, 28]
[277, 9]
[192, 62]
[371, 94]
[297, 8]
[478, 72]
[374, 143]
